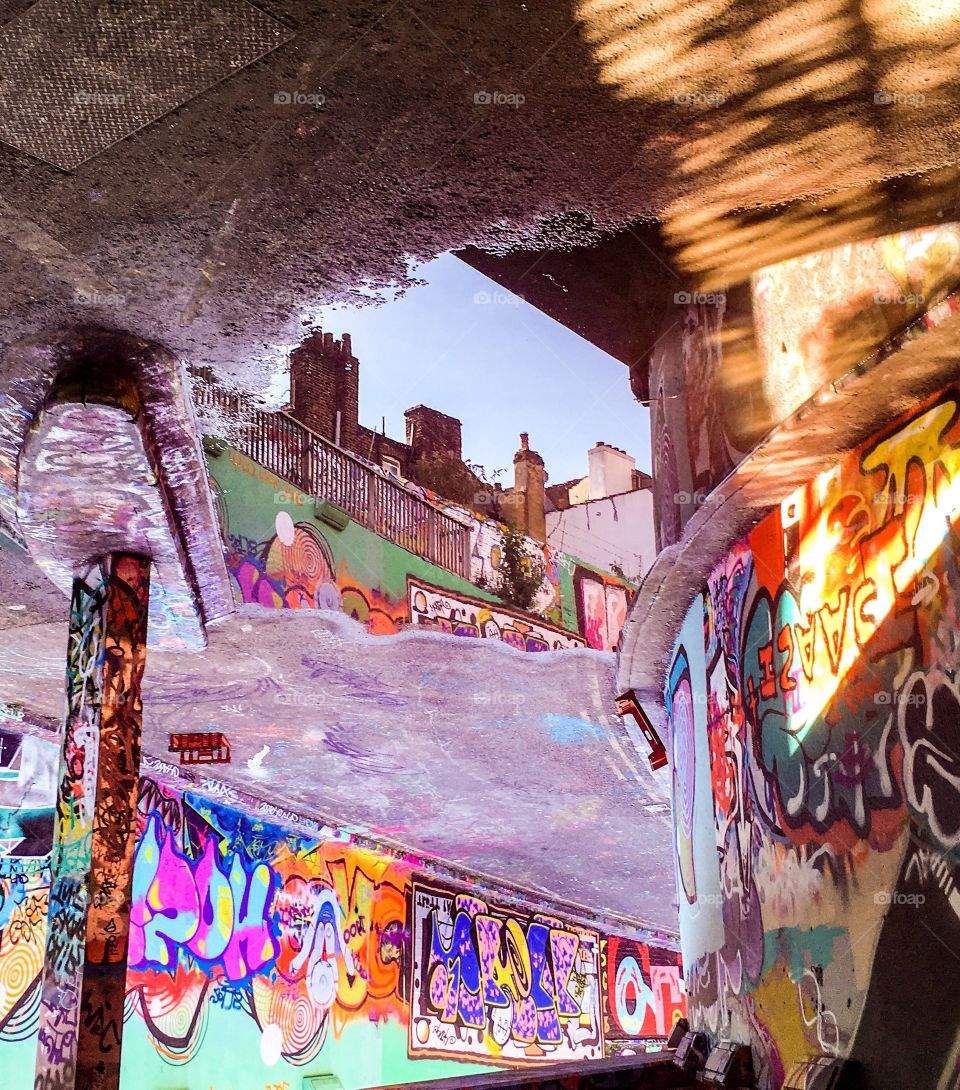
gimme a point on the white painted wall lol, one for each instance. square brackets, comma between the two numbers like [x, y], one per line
[610, 471]
[617, 529]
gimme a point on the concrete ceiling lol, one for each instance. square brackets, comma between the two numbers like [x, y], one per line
[205, 174]
[502, 763]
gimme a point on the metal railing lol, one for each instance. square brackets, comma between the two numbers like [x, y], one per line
[292, 451]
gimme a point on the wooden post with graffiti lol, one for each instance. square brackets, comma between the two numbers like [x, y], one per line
[84, 974]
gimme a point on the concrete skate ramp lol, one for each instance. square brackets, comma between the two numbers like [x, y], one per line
[498, 762]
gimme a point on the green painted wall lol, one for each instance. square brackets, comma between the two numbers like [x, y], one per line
[280, 554]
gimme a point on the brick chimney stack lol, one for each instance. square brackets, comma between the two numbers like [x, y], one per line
[325, 388]
[529, 502]
[430, 432]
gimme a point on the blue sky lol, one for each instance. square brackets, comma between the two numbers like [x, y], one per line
[462, 345]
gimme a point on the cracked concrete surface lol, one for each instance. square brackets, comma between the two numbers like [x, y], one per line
[214, 228]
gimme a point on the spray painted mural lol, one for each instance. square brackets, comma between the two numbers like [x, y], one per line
[643, 994]
[261, 951]
[602, 604]
[27, 791]
[432, 607]
[485, 543]
[501, 987]
[280, 556]
[815, 738]
[232, 915]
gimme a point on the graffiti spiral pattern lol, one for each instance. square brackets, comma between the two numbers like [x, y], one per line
[174, 1012]
[304, 560]
[20, 965]
[303, 1026]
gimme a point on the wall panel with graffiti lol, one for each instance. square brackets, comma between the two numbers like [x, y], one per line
[459, 615]
[260, 953]
[602, 604]
[242, 927]
[280, 555]
[27, 792]
[643, 992]
[501, 986]
[815, 731]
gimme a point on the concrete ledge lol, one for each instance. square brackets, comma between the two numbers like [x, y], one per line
[67, 399]
[653, 1071]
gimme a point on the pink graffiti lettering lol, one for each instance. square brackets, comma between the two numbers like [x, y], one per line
[214, 909]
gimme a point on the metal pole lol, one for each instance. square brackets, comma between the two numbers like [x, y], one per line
[84, 972]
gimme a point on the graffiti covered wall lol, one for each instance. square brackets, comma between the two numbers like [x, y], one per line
[497, 986]
[602, 604]
[281, 556]
[260, 953]
[243, 931]
[431, 607]
[643, 995]
[814, 705]
[27, 791]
